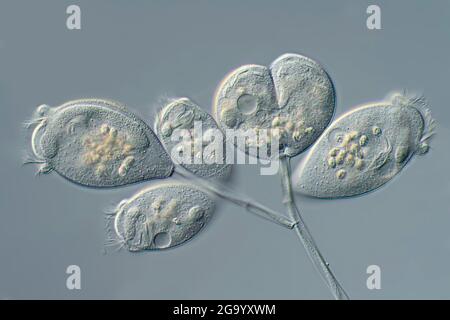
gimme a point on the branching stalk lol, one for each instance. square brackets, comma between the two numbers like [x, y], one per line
[305, 236]
[243, 201]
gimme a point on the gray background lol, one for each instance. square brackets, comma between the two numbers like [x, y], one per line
[138, 52]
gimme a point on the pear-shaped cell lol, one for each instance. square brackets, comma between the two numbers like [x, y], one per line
[97, 143]
[365, 148]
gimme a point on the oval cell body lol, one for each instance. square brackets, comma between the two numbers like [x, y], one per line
[193, 139]
[293, 100]
[99, 143]
[162, 216]
[363, 149]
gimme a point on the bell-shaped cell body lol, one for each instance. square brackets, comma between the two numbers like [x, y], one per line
[193, 139]
[365, 148]
[292, 101]
[162, 216]
[98, 143]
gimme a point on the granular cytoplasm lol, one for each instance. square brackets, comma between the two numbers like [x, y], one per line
[294, 95]
[203, 155]
[293, 101]
[97, 143]
[162, 216]
[365, 148]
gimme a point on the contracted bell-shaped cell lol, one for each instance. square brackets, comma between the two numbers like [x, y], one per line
[162, 216]
[193, 139]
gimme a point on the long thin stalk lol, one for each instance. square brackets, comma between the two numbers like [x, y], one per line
[243, 201]
[305, 236]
